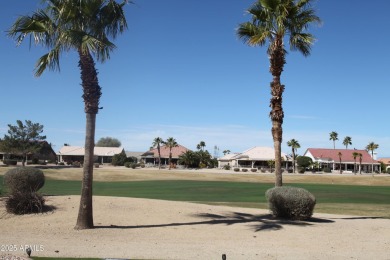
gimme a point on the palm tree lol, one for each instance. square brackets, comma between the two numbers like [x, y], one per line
[340, 155]
[360, 162]
[355, 155]
[225, 152]
[170, 143]
[201, 145]
[372, 147]
[333, 136]
[347, 141]
[84, 27]
[294, 144]
[272, 21]
[157, 143]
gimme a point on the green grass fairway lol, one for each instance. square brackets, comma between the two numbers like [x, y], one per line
[331, 198]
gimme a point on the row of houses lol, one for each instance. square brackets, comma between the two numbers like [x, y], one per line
[255, 157]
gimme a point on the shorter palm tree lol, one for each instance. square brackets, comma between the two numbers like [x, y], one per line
[334, 136]
[360, 162]
[201, 145]
[371, 147]
[340, 155]
[355, 155]
[294, 144]
[347, 141]
[225, 152]
[157, 144]
[170, 143]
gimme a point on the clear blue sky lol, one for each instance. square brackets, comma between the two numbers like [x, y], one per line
[180, 71]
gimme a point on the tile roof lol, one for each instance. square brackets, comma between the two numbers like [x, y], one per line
[98, 151]
[164, 151]
[257, 153]
[385, 160]
[333, 155]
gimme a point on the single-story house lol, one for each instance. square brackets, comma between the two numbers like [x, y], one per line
[76, 154]
[151, 157]
[255, 157]
[386, 162]
[330, 158]
[45, 153]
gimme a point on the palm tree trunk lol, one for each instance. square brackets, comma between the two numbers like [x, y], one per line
[277, 136]
[91, 96]
[85, 216]
[277, 61]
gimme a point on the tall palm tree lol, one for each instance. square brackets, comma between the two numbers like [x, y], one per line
[371, 147]
[360, 162]
[340, 155]
[294, 144]
[84, 27]
[355, 155]
[157, 144]
[170, 143]
[333, 136]
[347, 141]
[271, 21]
[225, 152]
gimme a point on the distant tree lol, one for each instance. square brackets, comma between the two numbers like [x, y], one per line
[347, 141]
[108, 142]
[157, 142]
[120, 159]
[189, 159]
[355, 155]
[170, 143]
[360, 162]
[201, 145]
[23, 139]
[271, 165]
[274, 22]
[371, 147]
[340, 155]
[333, 136]
[225, 152]
[304, 161]
[294, 144]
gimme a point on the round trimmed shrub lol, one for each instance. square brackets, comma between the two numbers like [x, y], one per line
[236, 169]
[290, 202]
[253, 170]
[244, 170]
[24, 179]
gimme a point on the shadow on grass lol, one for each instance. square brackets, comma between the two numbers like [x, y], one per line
[260, 222]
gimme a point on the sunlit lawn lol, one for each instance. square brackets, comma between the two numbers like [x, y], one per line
[221, 189]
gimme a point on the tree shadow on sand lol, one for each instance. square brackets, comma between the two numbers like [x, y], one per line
[259, 222]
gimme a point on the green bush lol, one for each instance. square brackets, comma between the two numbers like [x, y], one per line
[236, 169]
[244, 170]
[291, 202]
[226, 167]
[304, 161]
[24, 203]
[326, 169]
[10, 162]
[24, 179]
[301, 169]
[253, 170]
[127, 164]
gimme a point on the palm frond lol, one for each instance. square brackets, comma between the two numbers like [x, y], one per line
[50, 60]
